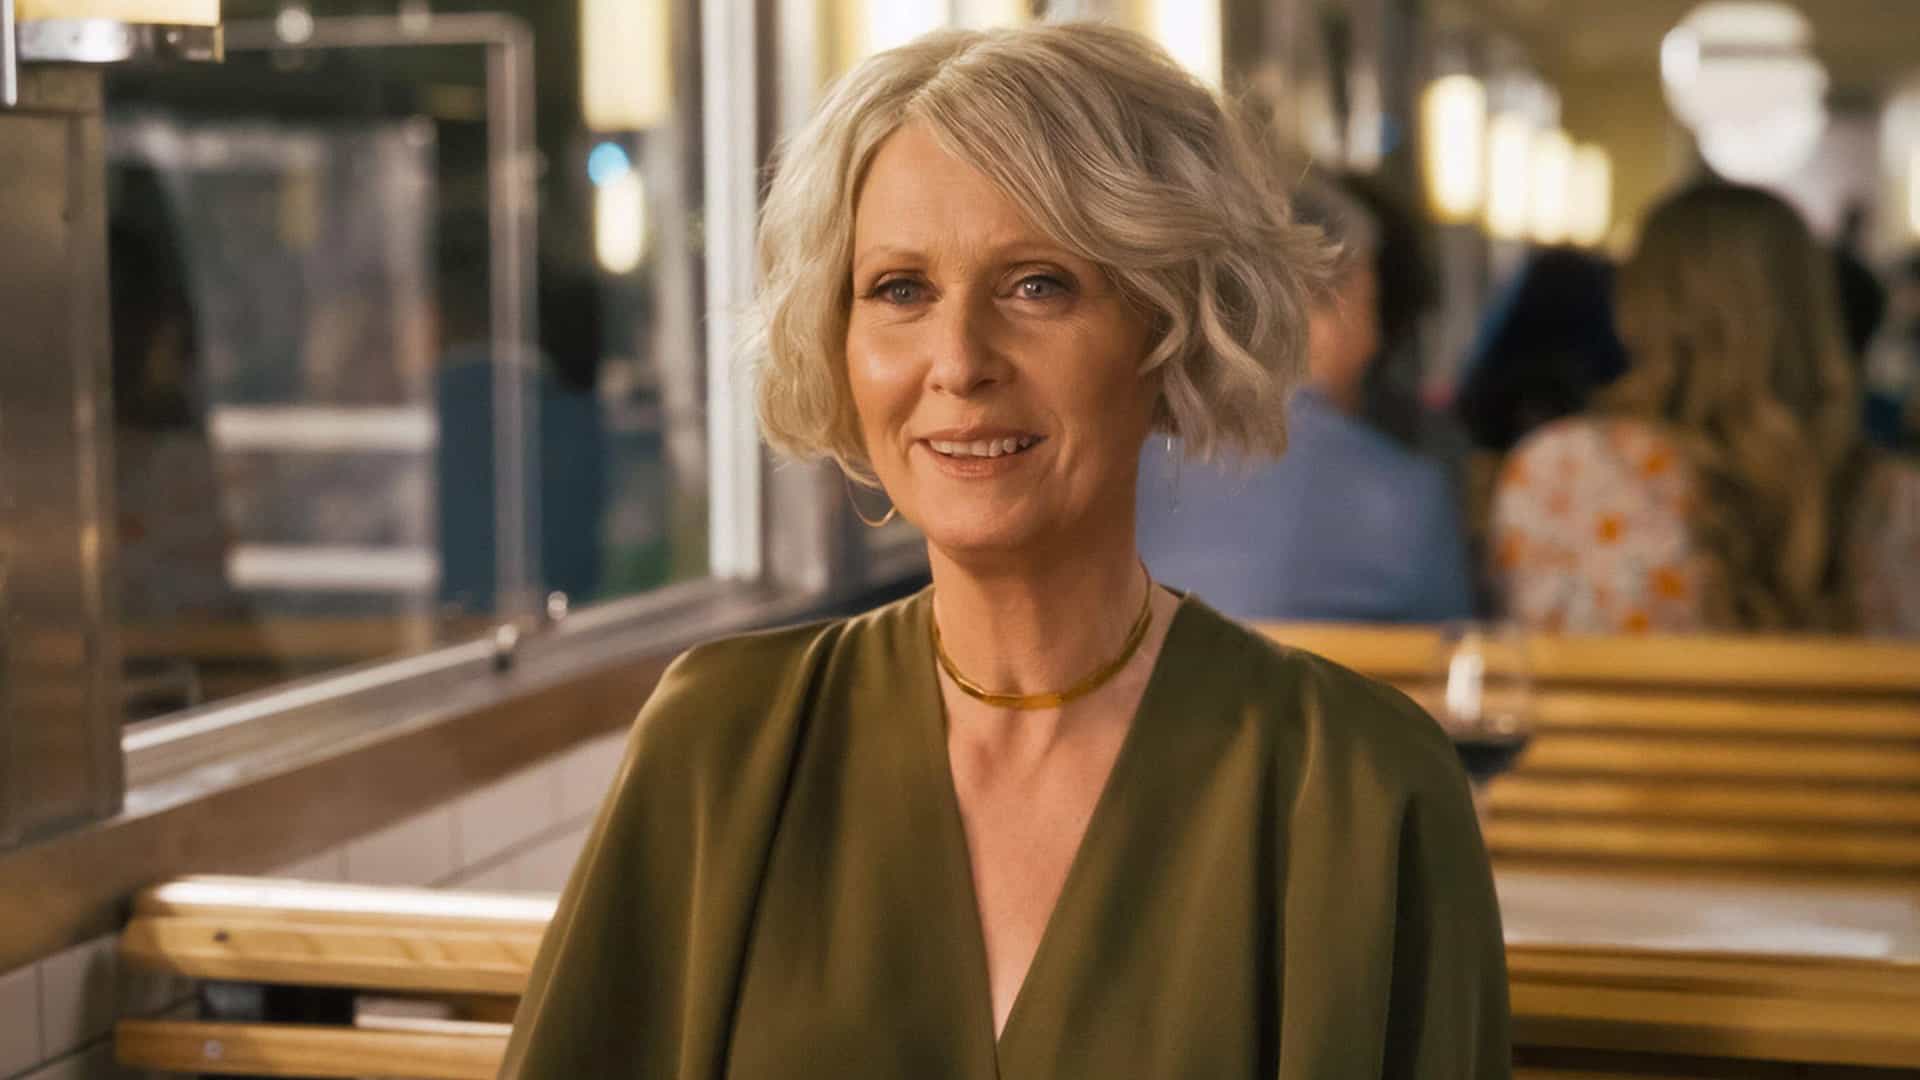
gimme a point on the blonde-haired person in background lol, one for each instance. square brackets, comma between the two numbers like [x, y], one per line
[1046, 818]
[1723, 484]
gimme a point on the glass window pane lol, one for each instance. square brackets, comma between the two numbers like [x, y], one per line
[331, 445]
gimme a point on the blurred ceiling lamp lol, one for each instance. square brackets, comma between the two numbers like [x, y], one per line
[884, 24]
[1550, 187]
[1742, 75]
[1190, 31]
[619, 211]
[1453, 121]
[985, 14]
[1900, 143]
[626, 64]
[1590, 210]
[1509, 174]
[1913, 192]
[132, 12]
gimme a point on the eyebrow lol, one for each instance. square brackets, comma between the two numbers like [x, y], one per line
[1016, 250]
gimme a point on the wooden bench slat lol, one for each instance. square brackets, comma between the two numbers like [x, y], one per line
[1533, 1072]
[390, 958]
[1848, 666]
[1739, 715]
[1704, 845]
[1527, 793]
[1849, 1032]
[315, 903]
[307, 1050]
[1824, 980]
[1697, 756]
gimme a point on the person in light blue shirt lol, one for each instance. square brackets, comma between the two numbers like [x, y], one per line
[1348, 526]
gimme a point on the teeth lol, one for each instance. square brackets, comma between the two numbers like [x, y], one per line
[984, 448]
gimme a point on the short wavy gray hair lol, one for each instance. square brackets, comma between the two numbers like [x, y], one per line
[1118, 154]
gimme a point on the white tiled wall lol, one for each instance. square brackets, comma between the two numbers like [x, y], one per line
[520, 833]
[20, 1020]
[79, 996]
[416, 851]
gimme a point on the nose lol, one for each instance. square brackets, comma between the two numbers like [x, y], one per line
[965, 359]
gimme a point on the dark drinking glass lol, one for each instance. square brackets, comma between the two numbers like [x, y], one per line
[1486, 701]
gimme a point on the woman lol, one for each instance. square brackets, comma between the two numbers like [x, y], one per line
[1044, 819]
[1723, 484]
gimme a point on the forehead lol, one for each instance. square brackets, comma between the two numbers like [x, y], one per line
[918, 195]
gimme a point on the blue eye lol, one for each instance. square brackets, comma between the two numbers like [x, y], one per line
[1039, 287]
[897, 291]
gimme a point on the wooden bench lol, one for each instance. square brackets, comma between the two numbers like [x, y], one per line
[1616, 988]
[467, 953]
[1787, 756]
[1787, 771]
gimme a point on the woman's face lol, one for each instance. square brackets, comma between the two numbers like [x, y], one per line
[995, 373]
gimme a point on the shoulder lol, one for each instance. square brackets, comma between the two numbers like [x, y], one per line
[1335, 434]
[719, 701]
[1588, 455]
[1571, 437]
[1331, 719]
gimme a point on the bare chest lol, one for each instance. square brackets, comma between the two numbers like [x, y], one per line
[1023, 834]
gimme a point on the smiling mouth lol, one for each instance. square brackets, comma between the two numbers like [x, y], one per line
[984, 448]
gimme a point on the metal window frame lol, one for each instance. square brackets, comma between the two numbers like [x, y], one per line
[170, 758]
[511, 243]
[732, 85]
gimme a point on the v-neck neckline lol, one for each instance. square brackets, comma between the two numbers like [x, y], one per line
[930, 710]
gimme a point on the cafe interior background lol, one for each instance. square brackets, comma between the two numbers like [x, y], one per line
[369, 442]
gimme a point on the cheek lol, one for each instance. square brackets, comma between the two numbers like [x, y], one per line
[882, 387]
[1115, 401]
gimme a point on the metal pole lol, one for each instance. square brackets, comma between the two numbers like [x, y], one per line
[9, 57]
[516, 381]
[729, 72]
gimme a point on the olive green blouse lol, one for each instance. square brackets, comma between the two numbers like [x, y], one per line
[1282, 878]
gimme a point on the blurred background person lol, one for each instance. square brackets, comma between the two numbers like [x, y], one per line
[174, 540]
[569, 454]
[1723, 484]
[1893, 366]
[1546, 346]
[1863, 299]
[1349, 524]
[1405, 291]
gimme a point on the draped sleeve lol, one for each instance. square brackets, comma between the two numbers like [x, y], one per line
[635, 976]
[1391, 946]
[1448, 1006]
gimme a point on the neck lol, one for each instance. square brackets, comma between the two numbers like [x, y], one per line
[1029, 626]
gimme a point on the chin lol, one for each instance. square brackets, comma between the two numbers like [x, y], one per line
[963, 539]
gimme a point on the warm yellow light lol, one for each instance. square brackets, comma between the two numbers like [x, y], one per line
[1549, 185]
[620, 223]
[1453, 120]
[885, 24]
[1590, 214]
[1913, 192]
[170, 12]
[626, 65]
[1190, 31]
[1509, 171]
[984, 14]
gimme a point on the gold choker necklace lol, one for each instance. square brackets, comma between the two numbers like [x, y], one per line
[1057, 698]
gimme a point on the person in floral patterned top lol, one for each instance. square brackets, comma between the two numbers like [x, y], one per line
[1723, 484]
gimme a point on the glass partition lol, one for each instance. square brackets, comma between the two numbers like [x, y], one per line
[403, 349]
